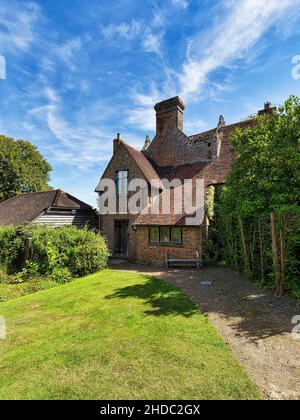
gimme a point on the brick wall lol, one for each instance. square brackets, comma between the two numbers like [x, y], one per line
[121, 160]
[206, 155]
[154, 254]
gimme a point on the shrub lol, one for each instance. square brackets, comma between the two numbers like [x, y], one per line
[60, 253]
[11, 250]
[61, 275]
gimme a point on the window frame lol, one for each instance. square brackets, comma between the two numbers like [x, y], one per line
[170, 242]
[161, 228]
[118, 180]
[151, 241]
[180, 230]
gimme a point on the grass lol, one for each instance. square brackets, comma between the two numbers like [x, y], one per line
[13, 291]
[115, 335]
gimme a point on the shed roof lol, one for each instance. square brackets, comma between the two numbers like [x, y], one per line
[27, 207]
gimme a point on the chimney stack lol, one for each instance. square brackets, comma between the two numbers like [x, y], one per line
[169, 116]
[268, 109]
[117, 142]
[221, 122]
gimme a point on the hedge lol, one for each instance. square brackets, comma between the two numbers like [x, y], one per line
[60, 253]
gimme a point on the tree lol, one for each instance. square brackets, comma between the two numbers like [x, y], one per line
[259, 203]
[22, 168]
[266, 172]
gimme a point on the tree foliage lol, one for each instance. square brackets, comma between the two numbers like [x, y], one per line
[60, 253]
[259, 211]
[22, 168]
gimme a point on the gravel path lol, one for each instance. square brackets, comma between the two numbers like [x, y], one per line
[256, 325]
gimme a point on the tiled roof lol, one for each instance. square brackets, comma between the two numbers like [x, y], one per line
[160, 220]
[27, 207]
[182, 172]
[214, 171]
[142, 162]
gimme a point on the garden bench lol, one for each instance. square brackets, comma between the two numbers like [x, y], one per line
[183, 261]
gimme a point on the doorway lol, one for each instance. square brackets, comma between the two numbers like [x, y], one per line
[121, 238]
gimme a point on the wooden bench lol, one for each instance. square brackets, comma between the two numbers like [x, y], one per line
[183, 261]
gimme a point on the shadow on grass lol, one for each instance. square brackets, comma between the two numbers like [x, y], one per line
[164, 299]
[252, 312]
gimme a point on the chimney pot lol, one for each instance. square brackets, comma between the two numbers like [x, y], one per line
[147, 143]
[221, 122]
[117, 142]
[268, 109]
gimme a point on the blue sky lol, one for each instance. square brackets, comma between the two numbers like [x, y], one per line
[78, 72]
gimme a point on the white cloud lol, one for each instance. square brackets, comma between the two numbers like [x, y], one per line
[234, 36]
[152, 41]
[139, 31]
[51, 95]
[125, 30]
[181, 4]
[142, 118]
[142, 115]
[17, 25]
[79, 146]
[158, 19]
[70, 53]
[245, 23]
[78, 140]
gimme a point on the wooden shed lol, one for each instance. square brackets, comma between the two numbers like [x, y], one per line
[54, 208]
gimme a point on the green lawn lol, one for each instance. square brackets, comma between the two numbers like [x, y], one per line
[13, 291]
[115, 335]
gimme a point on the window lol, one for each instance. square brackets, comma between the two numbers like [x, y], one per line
[165, 235]
[154, 234]
[176, 235]
[122, 182]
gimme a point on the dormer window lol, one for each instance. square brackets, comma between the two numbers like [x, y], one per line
[122, 182]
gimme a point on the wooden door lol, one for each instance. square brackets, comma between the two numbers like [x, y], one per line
[121, 238]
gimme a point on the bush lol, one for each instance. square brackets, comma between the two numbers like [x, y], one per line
[61, 275]
[60, 253]
[11, 250]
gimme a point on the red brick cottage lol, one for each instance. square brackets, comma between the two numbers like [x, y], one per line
[147, 238]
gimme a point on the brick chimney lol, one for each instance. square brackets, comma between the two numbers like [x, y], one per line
[268, 109]
[117, 142]
[169, 116]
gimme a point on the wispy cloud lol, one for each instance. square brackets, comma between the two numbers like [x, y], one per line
[158, 19]
[18, 25]
[76, 140]
[241, 28]
[70, 53]
[152, 42]
[231, 39]
[181, 4]
[142, 113]
[148, 34]
[71, 88]
[127, 30]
